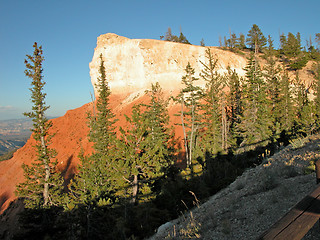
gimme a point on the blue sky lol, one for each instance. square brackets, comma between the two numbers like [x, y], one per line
[67, 31]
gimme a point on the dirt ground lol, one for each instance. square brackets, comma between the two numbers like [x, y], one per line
[255, 200]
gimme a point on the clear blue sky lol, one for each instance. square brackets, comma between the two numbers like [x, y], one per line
[68, 30]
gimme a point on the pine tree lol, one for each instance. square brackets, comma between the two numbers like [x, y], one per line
[316, 88]
[146, 150]
[291, 51]
[234, 102]
[189, 98]
[232, 41]
[173, 38]
[285, 117]
[272, 77]
[95, 181]
[241, 43]
[183, 39]
[214, 125]
[304, 121]
[42, 187]
[255, 39]
[255, 120]
[94, 188]
[318, 41]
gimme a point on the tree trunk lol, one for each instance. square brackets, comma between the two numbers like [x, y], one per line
[184, 131]
[135, 188]
[45, 163]
[224, 127]
[193, 130]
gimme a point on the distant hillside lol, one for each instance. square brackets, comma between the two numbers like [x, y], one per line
[13, 134]
[9, 145]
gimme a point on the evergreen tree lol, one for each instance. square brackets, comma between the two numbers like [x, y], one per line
[272, 77]
[189, 98]
[42, 187]
[291, 51]
[316, 88]
[95, 181]
[232, 41]
[96, 184]
[147, 150]
[169, 36]
[304, 121]
[241, 43]
[318, 41]
[314, 54]
[173, 38]
[285, 117]
[234, 101]
[292, 46]
[225, 42]
[214, 121]
[255, 39]
[183, 39]
[255, 120]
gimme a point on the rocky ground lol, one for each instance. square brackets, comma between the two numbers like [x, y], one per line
[255, 200]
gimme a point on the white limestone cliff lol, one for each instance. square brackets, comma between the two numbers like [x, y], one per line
[133, 64]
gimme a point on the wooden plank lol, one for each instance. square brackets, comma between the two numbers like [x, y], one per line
[298, 221]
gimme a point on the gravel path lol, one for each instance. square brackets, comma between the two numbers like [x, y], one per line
[255, 200]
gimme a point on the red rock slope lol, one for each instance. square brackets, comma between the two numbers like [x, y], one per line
[71, 132]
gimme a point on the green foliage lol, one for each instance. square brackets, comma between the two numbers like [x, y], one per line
[291, 51]
[173, 38]
[43, 183]
[316, 88]
[272, 78]
[146, 147]
[102, 130]
[255, 121]
[189, 98]
[241, 44]
[234, 101]
[255, 39]
[234, 43]
[285, 113]
[261, 111]
[97, 180]
[304, 122]
[212, 107]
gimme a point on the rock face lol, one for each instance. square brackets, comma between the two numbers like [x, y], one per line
[133, 64]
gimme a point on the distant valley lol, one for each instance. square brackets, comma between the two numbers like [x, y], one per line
[13, 134]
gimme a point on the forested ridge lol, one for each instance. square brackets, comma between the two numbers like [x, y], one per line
[130, 184]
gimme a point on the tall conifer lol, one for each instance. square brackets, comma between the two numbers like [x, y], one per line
[234, 103]
[256, 39]
[189, 98]
[213, 135]
[255, 120]
[95, 181]
[43, 183]
[304, 121]
[285, 117]
[147, 150]
[272, 78]
[316, 88]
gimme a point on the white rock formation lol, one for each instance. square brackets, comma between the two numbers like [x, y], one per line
[133, 64]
